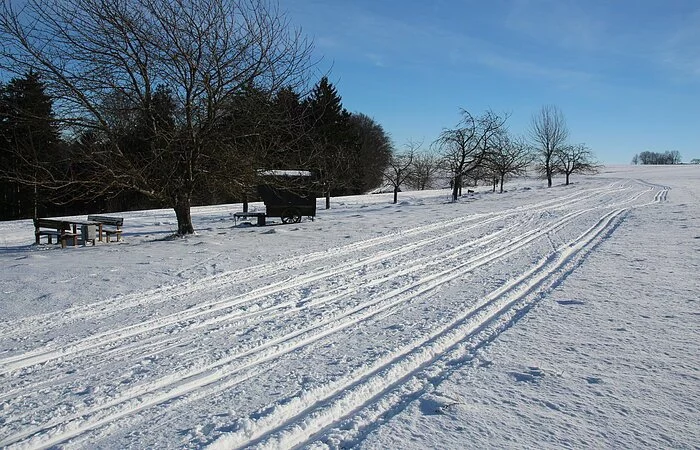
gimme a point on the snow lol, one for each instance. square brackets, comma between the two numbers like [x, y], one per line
[286, 173]
[548, 318]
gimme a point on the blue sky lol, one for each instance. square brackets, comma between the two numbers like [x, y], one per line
[625, 73]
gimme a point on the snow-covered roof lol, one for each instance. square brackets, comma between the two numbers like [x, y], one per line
[285, 173]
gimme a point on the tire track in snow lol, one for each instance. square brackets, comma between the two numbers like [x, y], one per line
[180, 384]
[316, 411]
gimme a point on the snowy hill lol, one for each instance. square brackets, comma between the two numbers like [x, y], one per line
[562, 317]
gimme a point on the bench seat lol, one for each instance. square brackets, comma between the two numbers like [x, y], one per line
[114, 225]
[60, 229]
[244, 215]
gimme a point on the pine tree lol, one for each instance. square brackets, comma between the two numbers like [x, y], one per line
[330, 133]
[30, 141]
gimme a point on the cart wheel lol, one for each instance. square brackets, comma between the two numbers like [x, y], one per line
[291, 216]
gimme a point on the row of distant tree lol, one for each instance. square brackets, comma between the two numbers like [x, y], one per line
[481, 148]
[668, 157]
[174, 103]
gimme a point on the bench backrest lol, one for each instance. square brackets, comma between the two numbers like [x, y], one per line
[107, 220]
[51, 223]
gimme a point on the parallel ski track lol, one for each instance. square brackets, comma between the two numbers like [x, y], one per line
[221, 372]
[161, 294]
[359, 400]
[101, 339]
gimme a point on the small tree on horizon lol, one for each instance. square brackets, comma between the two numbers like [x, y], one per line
[510, 157]
[400, 168]
[575, 159]
[426, 166]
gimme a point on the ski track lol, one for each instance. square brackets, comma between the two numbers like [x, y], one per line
[375, 389]
[219, 283]
[162, 294]
[296, 422]
[94, 341]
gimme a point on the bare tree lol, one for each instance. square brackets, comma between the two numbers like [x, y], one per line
[575, 159]
[549, 133]
[465, 147]
[102, 62]
[400, 168]
[510, 157]
[426, 165]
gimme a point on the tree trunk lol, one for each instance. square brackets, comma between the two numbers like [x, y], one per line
[396, 194]
[567, 179]
[549, 178]
[502, 177]
[455, 188]
[245, 203]
[35, 201]
[328, 199]
[182, 208]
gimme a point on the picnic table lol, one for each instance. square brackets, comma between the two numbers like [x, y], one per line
[65, 230]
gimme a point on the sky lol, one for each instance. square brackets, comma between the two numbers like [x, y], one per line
[626, 74]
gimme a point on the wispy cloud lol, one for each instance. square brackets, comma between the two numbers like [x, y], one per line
[417, 44]
[569, 24]
[565, 78]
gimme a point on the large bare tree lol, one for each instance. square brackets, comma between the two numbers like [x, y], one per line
[465, 147]
[103, 62]
[548, 132]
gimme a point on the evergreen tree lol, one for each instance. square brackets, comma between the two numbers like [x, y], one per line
[29, 145]
[290, 124]
[330, 134]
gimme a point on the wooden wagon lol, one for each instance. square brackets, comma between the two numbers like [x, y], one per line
[288, 194]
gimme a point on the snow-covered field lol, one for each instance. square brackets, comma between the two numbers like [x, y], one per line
[562, 317]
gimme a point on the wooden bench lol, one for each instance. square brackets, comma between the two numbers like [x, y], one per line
[244, 215]
[114, 224]
[61, 229]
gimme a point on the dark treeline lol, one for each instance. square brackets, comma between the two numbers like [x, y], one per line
[168, 103]
[280, 130]
[668, 157]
